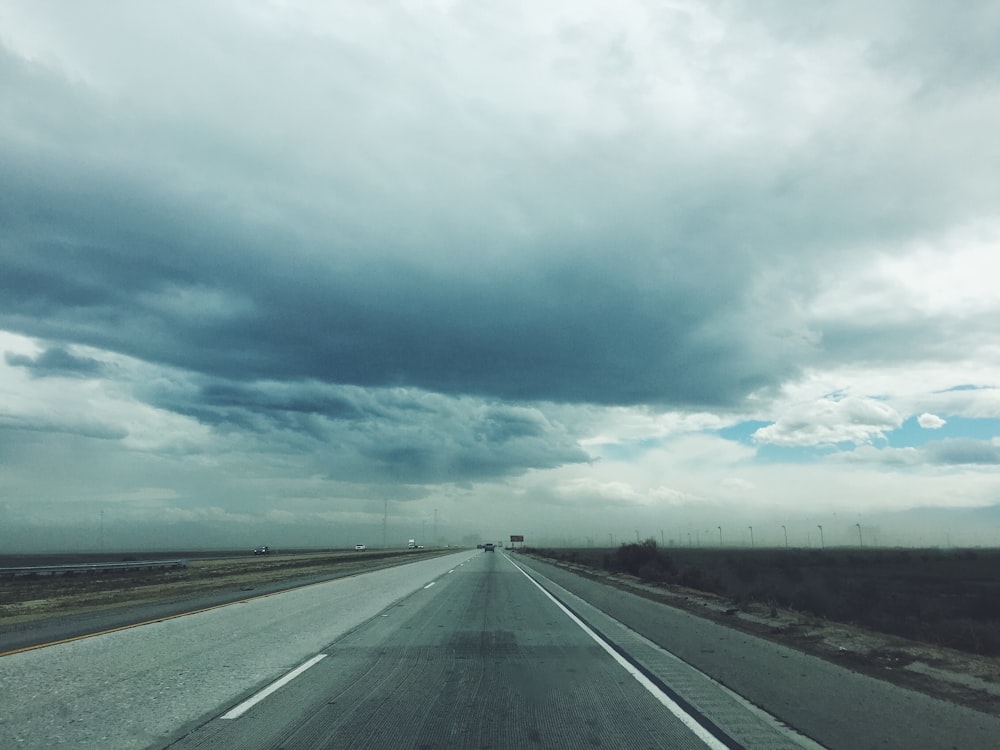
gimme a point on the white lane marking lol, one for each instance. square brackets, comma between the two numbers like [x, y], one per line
[685, 718]
[452, 570]
[430, 584]
[249, 703]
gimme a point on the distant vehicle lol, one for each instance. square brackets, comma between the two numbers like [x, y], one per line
[479, 546]
[262, 550]
[412, 544]
[359, 548]
[488, 547]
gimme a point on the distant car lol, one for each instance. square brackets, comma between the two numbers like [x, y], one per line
[488, 547]
[359, 548]
[262, 550]
[479, 546]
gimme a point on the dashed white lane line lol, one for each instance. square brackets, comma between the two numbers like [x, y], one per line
[238, 711]
[685, 718]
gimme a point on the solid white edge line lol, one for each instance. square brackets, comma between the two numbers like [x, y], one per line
[685, 718]
[249, 703]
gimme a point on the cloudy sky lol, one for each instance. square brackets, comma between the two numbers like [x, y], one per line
[296, 272]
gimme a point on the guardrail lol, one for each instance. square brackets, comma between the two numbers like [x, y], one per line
[92, 567]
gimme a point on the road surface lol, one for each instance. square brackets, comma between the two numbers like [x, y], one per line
[460, 651]
[481, 658]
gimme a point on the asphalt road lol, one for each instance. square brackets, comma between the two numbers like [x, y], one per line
[480, 658]
[460, 651]
[140, 687]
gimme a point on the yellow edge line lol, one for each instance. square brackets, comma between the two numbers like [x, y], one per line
[162, 619]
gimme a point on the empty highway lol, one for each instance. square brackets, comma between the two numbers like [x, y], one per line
[463, 651]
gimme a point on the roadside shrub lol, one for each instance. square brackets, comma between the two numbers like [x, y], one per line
[792, 572]
[652, 570]
[985, 606]
[643, 560]
[811, 600]
[747, 573]
[700, 580]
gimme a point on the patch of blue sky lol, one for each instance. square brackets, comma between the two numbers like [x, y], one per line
[742, 432]
[911, 435]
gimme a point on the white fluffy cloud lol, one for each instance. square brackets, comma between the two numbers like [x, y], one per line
[930, 421]
[829, 421]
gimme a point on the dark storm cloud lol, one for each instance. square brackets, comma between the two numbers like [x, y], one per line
[882, 340]
[296, 400]
[963, 451]
[136, 280]
[359, 248]
[948, 452]
[13, 425]
[323, 253]
[56, 362]
[354, 434]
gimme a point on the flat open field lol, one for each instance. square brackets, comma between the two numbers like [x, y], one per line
[926, 619]
[944, 597]
[25, 598]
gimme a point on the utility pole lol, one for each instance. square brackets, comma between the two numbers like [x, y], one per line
[751, 536]
[786, 535]
[720, 535]
[860, 541]
[385, 521]
[822, 544]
